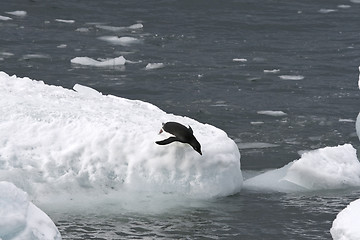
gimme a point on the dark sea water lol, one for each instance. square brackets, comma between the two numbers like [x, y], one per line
[223, 62]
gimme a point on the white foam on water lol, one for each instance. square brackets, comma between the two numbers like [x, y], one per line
[347, 222]
[21, 219]
[86, 61]
[81, 150]
[272, 113]
[322, 169]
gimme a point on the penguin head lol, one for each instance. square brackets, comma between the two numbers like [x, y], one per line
[196, 146]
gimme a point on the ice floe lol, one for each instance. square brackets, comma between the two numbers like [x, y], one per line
[272, 113]
[124, 41]
[322, 169]
[347, 222]
[291, 77]
[70, 21]
[151, 66]
[66, 147]
[4, 18]
[86, 61]
[18, 13]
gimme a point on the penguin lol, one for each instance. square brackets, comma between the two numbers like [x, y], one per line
[181, 134]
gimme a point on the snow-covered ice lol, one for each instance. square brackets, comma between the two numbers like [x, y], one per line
[119, 61]
[347, 222]
[20, 219]
[321, 169]
[67, 147]
[358, 125]
[272, 113]
[151, 66]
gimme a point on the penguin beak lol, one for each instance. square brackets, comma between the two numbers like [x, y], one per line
[199, 152]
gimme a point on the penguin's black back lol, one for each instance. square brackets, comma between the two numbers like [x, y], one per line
[181, 132]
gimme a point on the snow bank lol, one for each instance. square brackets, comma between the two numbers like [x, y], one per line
[325, 168]
[86, 61]
[20, 219]
[66, 146]
[347, 222]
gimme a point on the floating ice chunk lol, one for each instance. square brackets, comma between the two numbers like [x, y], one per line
[86, 61]
[72, 149]
[18, 13]
[344, 6]
[325, 10]
[35, 56]
[346, 120]
[20, 219]
[3, 18]
[325, 168]
[62, 46]
[118, 29]
[347, 222]
[239, 60]
[292, 77]
[136, 26]
[65, 20]
[83, 29]
[151, 66]
[272, 113]
[272, 71]
[124, 41]
[250, 145]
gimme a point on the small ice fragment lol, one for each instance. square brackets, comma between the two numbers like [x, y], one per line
[292, 77]
[239, 60]
[136, 26]
[86, 61]
[65, 20]
[62, 46]
[151, 66]
[272, 113]
[124, 41]
[272, 71]
[346, 120]
[3, 18]
[324, 10]
[257, 123]
[18, 13]
[344, 6]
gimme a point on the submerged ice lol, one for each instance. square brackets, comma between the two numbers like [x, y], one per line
[66, 146]
[21, 219]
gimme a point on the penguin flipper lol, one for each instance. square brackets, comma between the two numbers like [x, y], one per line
[167, 141]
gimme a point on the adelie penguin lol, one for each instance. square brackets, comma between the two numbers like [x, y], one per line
[181, 134]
